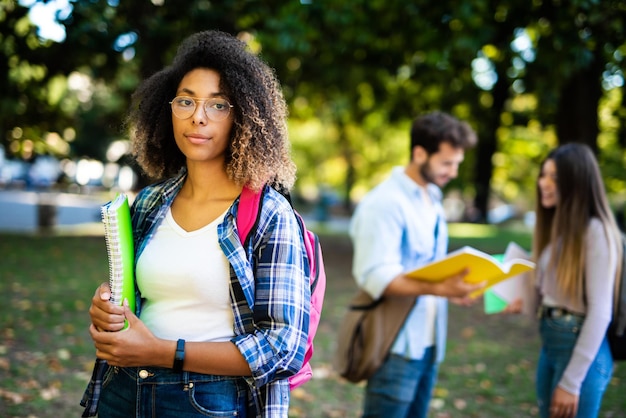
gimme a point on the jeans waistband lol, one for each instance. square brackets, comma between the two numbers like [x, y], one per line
[556, 312]
[148, 375]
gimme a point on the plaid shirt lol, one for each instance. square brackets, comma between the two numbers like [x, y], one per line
[269, 288]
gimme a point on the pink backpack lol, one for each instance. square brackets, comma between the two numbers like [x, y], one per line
[247, 215]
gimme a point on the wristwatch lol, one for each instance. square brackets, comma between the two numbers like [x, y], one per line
[179, 356]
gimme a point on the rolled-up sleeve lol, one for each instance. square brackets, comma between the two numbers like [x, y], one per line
[376, 233]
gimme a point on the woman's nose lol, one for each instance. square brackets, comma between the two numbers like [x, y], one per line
[199, 115]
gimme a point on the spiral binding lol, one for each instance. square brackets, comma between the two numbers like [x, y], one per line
[114, 254]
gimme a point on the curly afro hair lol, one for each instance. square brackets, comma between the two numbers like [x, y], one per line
[259, 150]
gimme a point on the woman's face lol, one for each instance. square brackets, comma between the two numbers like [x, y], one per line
[548, 192]
[200, 135]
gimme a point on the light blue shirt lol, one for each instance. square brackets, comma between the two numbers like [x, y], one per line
[396, 229]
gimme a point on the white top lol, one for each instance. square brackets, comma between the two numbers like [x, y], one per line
[184, 278]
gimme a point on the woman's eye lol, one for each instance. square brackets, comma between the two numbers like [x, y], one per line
[184, 102]
[219, 106]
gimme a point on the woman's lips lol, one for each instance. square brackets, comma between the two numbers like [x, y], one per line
[197, 139]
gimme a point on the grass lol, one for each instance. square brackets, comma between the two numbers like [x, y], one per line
[45, 348]
[46, 354]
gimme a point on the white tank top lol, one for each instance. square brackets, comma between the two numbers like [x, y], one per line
[184, 278]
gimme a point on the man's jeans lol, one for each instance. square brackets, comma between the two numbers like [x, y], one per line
[558, 336]
[401, 388]
[157, 392]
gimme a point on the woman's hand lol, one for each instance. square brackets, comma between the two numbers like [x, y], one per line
[134, 346]
[564, 404]
[514, 307]
[105, 315]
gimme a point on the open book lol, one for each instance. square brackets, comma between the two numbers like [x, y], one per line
[482, 267]
[118, 235]
[513, 290]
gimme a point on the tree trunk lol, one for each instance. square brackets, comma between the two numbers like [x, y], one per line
[346, 150]
[621, 116]
[577, 114]
[487, 146]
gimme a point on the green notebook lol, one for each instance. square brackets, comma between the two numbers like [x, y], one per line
[493, 303]
[118, 234]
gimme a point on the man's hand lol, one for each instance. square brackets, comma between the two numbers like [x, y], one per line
[465, 301]
[456, 287]
[453, 287]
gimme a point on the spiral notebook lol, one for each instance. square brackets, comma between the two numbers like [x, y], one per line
[118, 235]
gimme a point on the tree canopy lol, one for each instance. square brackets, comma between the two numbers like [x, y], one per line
[526, 76]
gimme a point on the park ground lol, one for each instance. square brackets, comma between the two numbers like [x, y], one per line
[46, 355]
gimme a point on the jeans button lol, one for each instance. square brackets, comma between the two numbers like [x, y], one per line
[144, 374]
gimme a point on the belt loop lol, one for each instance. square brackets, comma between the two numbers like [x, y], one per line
[186, 385]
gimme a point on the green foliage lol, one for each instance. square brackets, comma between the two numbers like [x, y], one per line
[354, 74]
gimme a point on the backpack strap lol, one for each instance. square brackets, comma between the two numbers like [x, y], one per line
[248, 213]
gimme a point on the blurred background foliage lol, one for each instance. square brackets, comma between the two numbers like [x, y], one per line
[527, 75]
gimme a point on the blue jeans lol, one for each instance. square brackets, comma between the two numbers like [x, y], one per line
[401, 387]
[156, 392]
[558, 336]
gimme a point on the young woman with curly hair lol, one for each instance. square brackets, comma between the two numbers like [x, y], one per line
[219, 325]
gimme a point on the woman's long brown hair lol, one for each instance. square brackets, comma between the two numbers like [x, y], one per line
[582, 196]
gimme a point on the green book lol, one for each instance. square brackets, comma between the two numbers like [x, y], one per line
[118, 235]
[493, 303]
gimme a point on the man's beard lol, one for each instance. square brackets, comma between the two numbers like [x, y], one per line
[426, 172]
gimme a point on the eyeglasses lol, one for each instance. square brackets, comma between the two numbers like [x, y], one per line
[216, 109]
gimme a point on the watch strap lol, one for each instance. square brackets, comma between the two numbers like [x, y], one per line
[179, 356]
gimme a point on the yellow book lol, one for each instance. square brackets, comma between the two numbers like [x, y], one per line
[515, 289]
[482, 267]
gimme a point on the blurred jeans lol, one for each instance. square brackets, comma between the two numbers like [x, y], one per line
[401, 387]
[158, 392]
[558, 336]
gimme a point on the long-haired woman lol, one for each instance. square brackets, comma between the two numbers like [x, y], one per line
[577, 249]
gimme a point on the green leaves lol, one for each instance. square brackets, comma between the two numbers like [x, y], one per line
[360, 69]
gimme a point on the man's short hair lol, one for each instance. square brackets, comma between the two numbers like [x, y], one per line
[431, 129]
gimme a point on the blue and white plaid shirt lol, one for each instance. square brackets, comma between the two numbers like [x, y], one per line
[269, 287]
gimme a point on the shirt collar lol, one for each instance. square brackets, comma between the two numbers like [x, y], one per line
[410, 186]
